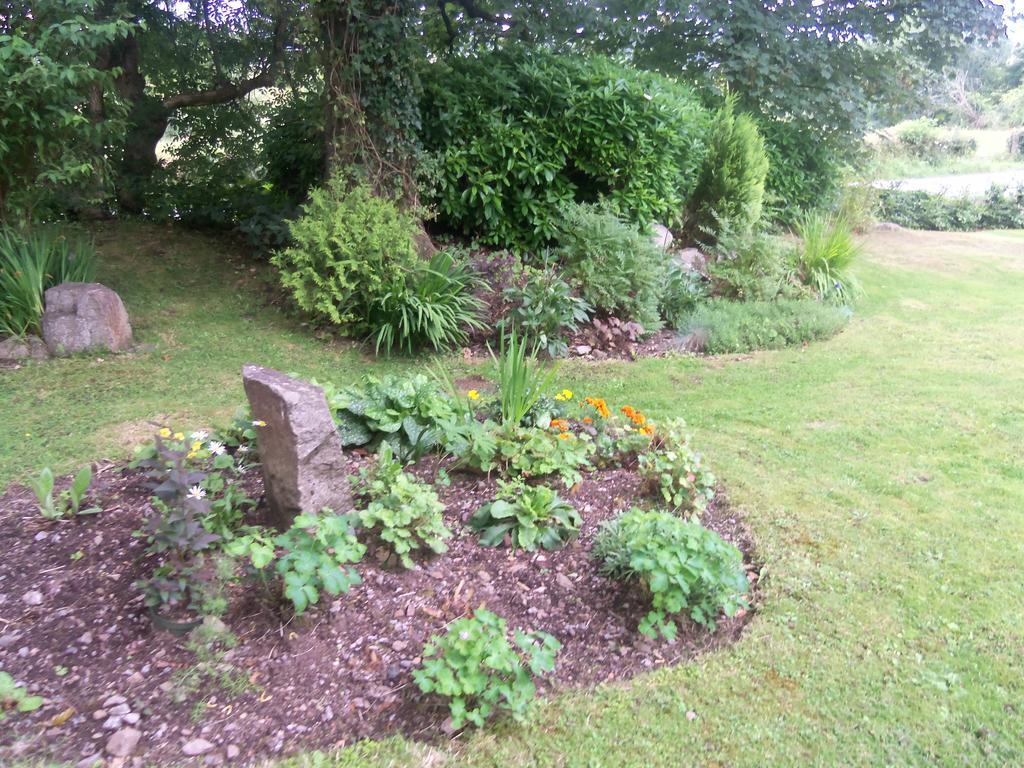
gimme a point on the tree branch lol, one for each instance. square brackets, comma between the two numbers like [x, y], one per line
[474, 11]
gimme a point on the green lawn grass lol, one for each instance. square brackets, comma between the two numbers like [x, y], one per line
[881, 474]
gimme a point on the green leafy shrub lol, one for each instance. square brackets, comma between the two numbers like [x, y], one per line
[544, 310]
[404, 513]
[69, 501]
[478, 670]
[519, 133]
[823, 260]
[351, 249]
[615, 267]
[805, 170]
[14, 697]
[531, 516]
[434, 306]
[1000, 208]
[733, 326]
[32, 262]
[732, 179]
[675, 471]
[922, 139]
[748, 265]
[684, 567]
[318, 551]
[292, 146]
[403, 411]
[684, 290]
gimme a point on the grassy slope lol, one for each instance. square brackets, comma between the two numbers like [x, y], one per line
[880, 472]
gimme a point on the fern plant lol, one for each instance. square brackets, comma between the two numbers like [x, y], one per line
[826, 255]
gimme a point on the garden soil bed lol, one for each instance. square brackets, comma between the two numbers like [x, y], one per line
[73, 628]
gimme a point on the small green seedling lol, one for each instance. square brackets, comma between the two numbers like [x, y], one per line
[68, 502]
[14, 697]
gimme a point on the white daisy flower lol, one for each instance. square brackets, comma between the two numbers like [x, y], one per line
[259, 423]
[200, 435]
[215, 448]
[197, 492]
[243, 449]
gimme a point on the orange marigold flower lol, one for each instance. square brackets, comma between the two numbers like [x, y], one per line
[587, 420]
[561, 424]
[629, 410]
[600, 406]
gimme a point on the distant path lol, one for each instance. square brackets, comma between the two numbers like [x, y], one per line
[975, 184]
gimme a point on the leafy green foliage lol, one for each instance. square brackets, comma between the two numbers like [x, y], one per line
[14, 697]
[615, 267]
[531, 516]
[999, 209]
[318, 551]
[32, 262]
[292, 147]
[825, 256]
[404, 513]
[49, 54]
[69, 502]
[804, 170]
[731, 182]
[684, 290]
[684, 566]
[734, 326]
[748, 264]
[675, 471]
[434, 306]
[405, 412]
[544, 309]
[522, 382]
[476, 668]
[351, 250]
[921, 139]
[521, 133]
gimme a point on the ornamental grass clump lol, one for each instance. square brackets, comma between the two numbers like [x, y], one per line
[824, 258]
[686, 568]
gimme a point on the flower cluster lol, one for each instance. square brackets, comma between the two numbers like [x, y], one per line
[643, 426]
[560, 424]
[564, 395]
[600, 406]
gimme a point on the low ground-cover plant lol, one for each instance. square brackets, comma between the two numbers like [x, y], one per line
[615, 266]
[404, 412]
[733, 326]
[32, 262]
[318, 553]
[676, 472]
[531, 516]
[69, 501]
[544, 310]
[404, 513]
[748, 264]
[480, 672]
[825, 255]
[686, 568]
[14, 697]
[1000, 208]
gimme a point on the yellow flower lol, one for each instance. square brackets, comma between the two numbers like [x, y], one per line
[196, 446]
[473, 394]
[190, 455]
[179, 436]
[564, 435]
[565, 394]
[165, 432]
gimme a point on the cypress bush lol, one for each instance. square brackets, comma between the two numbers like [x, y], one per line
[732, 178]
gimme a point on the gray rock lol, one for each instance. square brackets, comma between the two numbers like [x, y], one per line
[303, 466]
[112, 723]
[84, 316]
[123, 742]
[583, 349]
[661, 237]
[131, 718]
[233, 751]
[120, 709]
[888, 226]
[692, 260]
[32, 597]
[30, 347]
[196, 747]
[113, 701]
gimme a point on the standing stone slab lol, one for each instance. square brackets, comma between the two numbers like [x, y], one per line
[304, 469]
[80, 317]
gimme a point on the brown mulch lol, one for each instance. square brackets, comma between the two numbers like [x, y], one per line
[340, 672]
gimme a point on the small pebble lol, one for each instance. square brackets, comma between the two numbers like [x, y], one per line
[32, 597]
